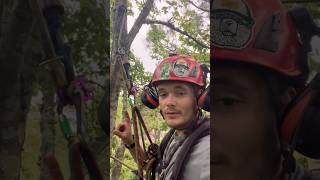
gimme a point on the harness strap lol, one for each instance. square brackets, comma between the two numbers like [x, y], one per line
[201, 131]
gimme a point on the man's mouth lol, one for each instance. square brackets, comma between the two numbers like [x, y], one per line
[172, 114]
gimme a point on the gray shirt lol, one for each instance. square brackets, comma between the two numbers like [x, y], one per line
[303, 174]
[197, 166]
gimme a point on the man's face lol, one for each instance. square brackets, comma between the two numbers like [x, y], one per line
[245, 141]
[177, 103]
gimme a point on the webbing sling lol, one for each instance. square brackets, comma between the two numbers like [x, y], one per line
[201, 131]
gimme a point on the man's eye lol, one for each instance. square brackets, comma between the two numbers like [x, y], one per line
[162, 94]
[227, 101]
[180, 93]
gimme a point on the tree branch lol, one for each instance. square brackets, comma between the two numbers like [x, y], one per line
[198, 7]
[171, 26]
[138, 23]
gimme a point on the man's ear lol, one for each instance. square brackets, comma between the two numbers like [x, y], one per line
[199, 92]
[288, 95]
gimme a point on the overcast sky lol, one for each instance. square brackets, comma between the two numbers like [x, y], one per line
[139, 44]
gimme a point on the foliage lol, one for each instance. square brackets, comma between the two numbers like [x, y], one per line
[185, 16]
[139, 76]
[83, 29]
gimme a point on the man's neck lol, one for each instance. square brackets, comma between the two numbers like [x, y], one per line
[189, 127]
[180, 132]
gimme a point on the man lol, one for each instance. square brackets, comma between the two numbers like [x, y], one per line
[259, 69]
[178, 85]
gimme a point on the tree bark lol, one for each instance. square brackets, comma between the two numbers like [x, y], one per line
[15, 87]
[116, 60]
[120, 150]
[117, 166]
[47, 122]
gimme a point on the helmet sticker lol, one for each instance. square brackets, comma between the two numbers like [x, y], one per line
[193, 72]
[232, 24]
[165, 71]
[181, 68]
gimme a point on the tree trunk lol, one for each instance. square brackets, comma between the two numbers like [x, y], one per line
[15, 86]
[121, 42]
[47, 122]
[120, 150]
[117, 166]
[116, 60]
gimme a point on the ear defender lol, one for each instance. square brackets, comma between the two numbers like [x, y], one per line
[149, 97]
[204, 99]
[301, 123]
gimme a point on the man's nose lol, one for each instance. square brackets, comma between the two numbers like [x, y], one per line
[171, 100]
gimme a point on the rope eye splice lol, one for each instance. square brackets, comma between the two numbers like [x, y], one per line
[71, 90]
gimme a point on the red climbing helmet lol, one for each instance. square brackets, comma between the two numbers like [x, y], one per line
[265, 34]
[179, 68]
[255, 32]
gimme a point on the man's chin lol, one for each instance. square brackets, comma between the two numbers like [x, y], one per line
[174, 124]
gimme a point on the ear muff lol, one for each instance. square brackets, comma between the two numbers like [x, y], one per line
[204, 99]
[301, 124]
[149, 97]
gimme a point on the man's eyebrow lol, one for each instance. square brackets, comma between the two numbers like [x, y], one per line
[160, 89]
[180, 87]
[176, 87]
[230, 82]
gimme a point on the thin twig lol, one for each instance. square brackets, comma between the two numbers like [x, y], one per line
[171, 26]
[127, 166]
[198, 7]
